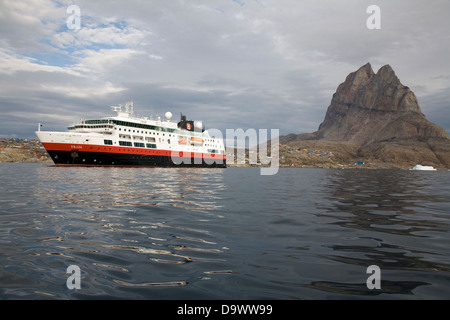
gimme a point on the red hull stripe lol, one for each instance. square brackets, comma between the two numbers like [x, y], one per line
[51, 146]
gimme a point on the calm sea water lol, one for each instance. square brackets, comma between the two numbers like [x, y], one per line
[156, 233]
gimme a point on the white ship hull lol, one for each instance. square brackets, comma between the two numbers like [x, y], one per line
[124, 140]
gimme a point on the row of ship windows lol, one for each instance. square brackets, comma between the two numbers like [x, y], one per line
[137, 144]
[121, 123]
[90, 127]
[146, 145]
[129, 130]
[144, 132]
[151, 139]
[129, 144]
[143, 126]
[112, 127]
[157, 133]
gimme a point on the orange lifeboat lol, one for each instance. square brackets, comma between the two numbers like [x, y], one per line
[195, 140]
[182, 140]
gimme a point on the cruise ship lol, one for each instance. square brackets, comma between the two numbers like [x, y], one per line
[127, 140]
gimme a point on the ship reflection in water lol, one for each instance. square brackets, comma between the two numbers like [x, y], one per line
[138, 211]
[205, 233]
[104, 187]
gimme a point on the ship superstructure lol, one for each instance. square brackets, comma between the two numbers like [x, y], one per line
[125, 139]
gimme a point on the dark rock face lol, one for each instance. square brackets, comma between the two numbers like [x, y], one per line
[383, 116]
[369, 108]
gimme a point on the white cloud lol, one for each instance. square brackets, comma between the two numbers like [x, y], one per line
[11, 63]
[97, 62]
[83, 92]
[24, 24]
[97, 35]
[233, 63]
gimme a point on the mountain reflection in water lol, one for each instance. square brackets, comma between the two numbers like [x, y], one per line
[181, 233]
[397, 210]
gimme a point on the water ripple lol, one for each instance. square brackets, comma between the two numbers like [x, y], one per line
[155, 233]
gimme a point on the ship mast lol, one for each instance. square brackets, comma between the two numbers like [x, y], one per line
[128, 113]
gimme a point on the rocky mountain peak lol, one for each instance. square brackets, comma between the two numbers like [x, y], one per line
[378, 113]
[364, 107]
[365, 72]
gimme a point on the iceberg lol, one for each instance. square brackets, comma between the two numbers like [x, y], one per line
[424, 168]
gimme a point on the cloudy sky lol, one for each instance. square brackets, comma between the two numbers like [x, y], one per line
[262, 64]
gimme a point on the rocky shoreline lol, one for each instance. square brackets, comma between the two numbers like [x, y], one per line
[23, 150]
[308, 154]
[328, 156]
